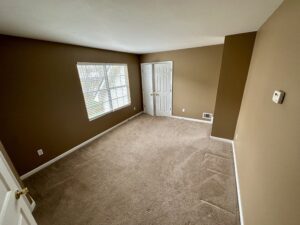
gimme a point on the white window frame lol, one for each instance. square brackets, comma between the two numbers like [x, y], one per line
[108, 88]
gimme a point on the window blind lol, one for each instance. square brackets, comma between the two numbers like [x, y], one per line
[105, 87]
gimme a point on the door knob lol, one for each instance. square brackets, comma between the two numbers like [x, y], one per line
[18, 193]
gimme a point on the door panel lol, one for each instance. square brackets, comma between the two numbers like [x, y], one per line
[12, 211]
[147, 85]
[4, 190]
[23, 219]
[163, 88]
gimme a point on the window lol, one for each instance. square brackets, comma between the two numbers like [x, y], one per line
[105, 87]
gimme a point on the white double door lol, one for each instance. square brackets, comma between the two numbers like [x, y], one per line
[14, 207]
[157, 88]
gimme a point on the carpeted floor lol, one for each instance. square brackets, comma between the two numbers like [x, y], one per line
[149, 171]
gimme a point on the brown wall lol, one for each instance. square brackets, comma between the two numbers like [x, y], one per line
[9, 162]
[234, 70]
[42, 105]
[268, 142]
[195, 78]
[13, 169]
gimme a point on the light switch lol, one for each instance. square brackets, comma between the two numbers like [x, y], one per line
[278, 97]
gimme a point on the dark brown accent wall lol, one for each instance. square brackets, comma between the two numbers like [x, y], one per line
[13, 169]
[195, 78]
[42, 104]
[268, 141]
[233, 75]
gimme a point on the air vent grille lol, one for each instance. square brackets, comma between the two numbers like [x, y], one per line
[207, 116]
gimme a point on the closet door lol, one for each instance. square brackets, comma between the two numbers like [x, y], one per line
[147, 86]
[163, 88]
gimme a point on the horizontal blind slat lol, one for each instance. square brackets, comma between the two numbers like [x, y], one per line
[101, 93]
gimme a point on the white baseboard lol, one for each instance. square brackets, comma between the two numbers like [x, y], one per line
[236, 175]
[26, 175]
[237, 185]
[191, 119]
[222, 139]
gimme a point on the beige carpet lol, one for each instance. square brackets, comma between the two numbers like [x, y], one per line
[149, 171]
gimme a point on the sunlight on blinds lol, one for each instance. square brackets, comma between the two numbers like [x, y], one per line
[118, 85]
[105, 87]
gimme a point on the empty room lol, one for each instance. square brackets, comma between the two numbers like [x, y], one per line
[163, 112]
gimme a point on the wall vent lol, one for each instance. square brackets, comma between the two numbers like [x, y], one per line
[207, 116]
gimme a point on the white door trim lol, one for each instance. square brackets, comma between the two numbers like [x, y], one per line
[153, 83]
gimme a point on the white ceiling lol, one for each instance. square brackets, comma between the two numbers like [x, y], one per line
[137, 26]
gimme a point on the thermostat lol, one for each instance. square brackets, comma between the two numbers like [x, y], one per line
[278, 97]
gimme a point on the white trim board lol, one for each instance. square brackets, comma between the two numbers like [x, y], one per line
[222, 139]
[191, 119]
[237, 181]
[26, 175]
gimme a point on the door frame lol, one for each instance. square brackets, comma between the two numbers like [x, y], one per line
[153, 81]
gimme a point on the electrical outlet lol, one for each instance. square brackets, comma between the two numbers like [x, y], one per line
[183, 110]
[134, 108]
[40, 152]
